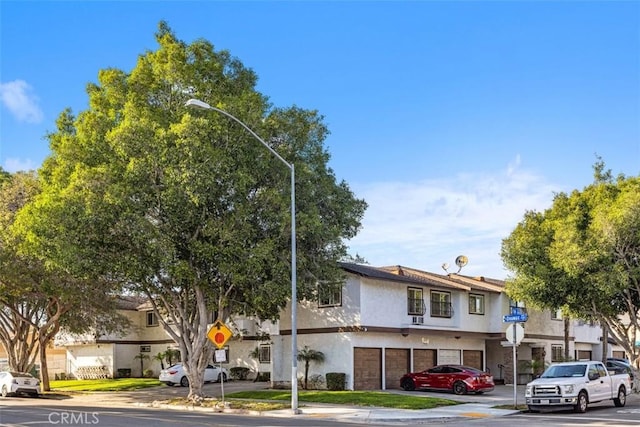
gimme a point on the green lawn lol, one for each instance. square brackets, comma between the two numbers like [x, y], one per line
[354, 398]
[117, 384]
[243, 398]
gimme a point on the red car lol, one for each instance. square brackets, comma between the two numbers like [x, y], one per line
[456, 378]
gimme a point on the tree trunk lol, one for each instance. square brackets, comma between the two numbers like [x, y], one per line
[44, 368]
[306, 373]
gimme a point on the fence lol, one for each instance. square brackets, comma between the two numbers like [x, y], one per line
[92, 372]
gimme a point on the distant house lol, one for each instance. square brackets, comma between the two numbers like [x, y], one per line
[382, 323]
[89, 355]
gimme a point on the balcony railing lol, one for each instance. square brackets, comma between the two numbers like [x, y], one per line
[416, 307]
[441, 309]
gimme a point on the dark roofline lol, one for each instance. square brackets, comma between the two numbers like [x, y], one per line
[384, 273]
[376, 273]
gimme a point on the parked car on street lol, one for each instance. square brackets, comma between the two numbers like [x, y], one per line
[175, 374]
[456, 378]
[14, 383]
[618, 367]
[576, 385]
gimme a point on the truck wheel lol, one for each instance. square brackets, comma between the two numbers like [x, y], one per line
[583, 402]
[621, 400]
[532, 409]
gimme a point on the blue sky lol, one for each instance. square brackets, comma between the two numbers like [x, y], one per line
[450, 118]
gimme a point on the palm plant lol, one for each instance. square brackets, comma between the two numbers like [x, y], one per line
[171, 355]
[142, 358]
[160, 358]
[309, 355]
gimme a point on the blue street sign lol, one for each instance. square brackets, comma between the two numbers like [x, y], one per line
[515, 318]
[517, 310]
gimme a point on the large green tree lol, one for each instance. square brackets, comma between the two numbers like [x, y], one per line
[38, 300]
[185, 206]
[583, 255]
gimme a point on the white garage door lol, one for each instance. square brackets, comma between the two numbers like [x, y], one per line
[449, 357]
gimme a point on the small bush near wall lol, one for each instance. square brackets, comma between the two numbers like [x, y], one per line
[124, 373]
[316, 382]
[336, 380]
[148, 373]
[239, 372]
[264, 376]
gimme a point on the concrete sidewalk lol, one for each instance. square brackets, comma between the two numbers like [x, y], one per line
[386, 415]
[472, 406]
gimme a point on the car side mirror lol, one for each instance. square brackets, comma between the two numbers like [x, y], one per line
[593, 376]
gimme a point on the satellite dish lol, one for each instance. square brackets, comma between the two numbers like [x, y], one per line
[461, 261]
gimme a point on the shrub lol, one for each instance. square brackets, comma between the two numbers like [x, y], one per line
[148, 373]
[316, 382]
[239, 372]
[264, 376]
[336, 380]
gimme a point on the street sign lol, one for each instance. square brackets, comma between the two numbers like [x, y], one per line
[515, 317]
[515, 333]
[219, 334]
[518, 310]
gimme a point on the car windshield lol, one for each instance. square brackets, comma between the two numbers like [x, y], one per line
[564, 371]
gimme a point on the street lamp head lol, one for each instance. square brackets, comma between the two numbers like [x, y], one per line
[198, 104]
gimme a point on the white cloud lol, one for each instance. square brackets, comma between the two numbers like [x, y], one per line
[425, 224]
[14, 165]
[18, 97]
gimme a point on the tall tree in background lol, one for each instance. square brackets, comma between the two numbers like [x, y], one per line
[186, 206]
[583, 255]
[37, 300]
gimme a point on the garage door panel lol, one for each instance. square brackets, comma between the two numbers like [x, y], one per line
[423, 359]
[396, 364]
[473, 358]
[367, 373]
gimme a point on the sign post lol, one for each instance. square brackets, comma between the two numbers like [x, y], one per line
[219, 334]
[515, 334]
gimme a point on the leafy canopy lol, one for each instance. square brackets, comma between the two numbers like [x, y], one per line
[186, 206]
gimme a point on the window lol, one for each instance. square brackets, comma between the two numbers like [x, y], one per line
[556, 353]
[415, 302]
[329, 296]
[264, 354]
[152, 319]
[145, 349]
[441, 304]
[476, 304]
[556, 314]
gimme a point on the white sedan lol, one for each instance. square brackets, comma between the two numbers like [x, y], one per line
[14, 383]
[176, 375]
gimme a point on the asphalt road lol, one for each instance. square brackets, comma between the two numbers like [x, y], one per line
[123, 409]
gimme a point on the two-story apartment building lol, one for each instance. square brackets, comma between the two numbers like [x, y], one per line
[387, 321]
[382, 323]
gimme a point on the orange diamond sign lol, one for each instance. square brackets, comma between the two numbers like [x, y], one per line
[219, 334]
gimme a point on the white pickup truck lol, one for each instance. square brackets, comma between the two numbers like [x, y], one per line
[576, 385]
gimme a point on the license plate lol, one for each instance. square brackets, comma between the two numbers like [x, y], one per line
[544, 401]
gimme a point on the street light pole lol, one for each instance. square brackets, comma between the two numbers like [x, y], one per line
[294, 333]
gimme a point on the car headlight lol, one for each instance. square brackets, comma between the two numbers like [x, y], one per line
[527, 391]
[567, 389]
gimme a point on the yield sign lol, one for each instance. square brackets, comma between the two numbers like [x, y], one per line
[219, 334]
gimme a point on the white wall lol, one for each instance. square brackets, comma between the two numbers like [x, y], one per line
[90, 355]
